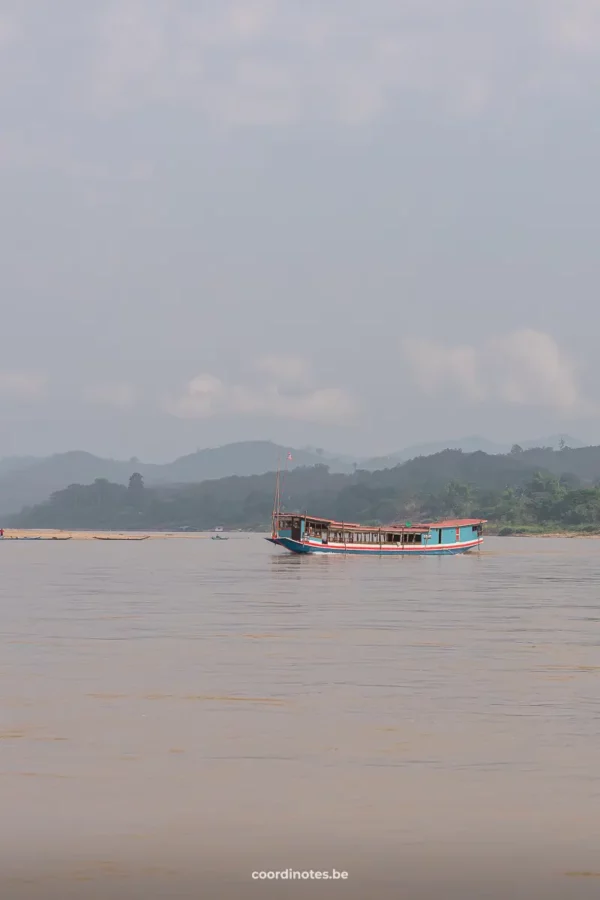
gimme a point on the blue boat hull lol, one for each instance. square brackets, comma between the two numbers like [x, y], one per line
[435, 550]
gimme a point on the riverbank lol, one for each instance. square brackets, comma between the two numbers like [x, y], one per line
[541, 533]
[57, 534]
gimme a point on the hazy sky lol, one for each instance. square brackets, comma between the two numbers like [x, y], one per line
[351, 223]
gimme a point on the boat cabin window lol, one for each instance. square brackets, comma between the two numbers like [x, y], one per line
[314, 529]
[413, 538]
[367, 537]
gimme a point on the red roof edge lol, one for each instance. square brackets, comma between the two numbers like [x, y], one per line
[456, 523]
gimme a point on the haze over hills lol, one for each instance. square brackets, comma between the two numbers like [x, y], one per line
[16, 463]
[26, 481]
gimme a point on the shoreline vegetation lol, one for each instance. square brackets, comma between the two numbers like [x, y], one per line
[548, 532]
[11, 534]
[513, 497]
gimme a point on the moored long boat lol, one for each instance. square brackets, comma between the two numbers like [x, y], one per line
[308, 534]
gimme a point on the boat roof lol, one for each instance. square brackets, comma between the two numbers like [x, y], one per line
[355, 526]
[416, 528]
[456, 523]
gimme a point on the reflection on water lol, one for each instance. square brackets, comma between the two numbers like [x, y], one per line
[187, 703]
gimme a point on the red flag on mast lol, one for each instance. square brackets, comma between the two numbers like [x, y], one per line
[289, 456]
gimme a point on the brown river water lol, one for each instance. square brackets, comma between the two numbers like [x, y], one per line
[176, 715]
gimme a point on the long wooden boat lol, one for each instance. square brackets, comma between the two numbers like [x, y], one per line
[99, 538]
[308, 534]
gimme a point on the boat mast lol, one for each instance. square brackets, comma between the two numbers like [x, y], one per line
[276, 501]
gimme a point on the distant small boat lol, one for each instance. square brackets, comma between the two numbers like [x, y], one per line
[217, 537]
[31, 538]
[144, 538]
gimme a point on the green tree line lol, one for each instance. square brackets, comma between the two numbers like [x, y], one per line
[511, 495]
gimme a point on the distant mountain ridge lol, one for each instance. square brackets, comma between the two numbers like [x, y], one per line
[27, 481]
[471, 444]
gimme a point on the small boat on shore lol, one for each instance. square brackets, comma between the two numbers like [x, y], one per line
[218, 537]
[27, 537]
[308, 534]
[104, 538]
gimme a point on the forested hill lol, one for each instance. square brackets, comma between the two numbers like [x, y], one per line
[510, 489]
[583, 462]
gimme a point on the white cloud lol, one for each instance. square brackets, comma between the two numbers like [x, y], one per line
[242, 62]
[532, 370]
[263, 61]
[525, 368]
[203, 397]
[435, 366]
[118, 395]
[286, 393]
[574, 25]
[22, 385]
